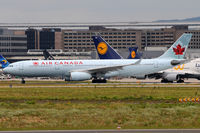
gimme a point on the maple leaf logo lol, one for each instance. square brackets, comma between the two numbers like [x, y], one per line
[35, 63]
[179, 50]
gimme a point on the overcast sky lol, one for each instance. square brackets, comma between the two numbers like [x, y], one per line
[60, 11]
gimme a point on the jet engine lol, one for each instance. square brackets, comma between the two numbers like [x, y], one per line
[140, 76]
[80, 76]
[171, 77]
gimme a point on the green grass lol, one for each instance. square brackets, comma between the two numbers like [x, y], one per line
[107, 115]
[23, 108]
[135, 93]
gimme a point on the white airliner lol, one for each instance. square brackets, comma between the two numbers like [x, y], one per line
[99, 70]
[180, 72]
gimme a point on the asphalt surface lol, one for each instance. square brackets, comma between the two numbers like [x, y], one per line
[102, 86]
[112, 131]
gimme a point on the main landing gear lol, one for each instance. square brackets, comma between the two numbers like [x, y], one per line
[180, 81]
[166, 81]
[23, 81]
[99, 81]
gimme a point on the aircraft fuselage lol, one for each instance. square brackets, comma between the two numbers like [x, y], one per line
[63, 68]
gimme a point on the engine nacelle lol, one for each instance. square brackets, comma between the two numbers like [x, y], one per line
[80, 76]
[171, 77]
[140, 76]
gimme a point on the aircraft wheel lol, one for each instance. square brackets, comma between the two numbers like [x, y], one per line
[180, 81]
[23, 81]
[104, 81]
[163, 81]
[166, 81]
[99, 81]
[94, 81]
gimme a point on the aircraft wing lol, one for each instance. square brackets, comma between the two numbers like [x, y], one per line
[190, 75]
[106, 69]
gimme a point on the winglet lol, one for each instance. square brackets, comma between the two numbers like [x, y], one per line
[137, 62]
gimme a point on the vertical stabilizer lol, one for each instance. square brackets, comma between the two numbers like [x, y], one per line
[104, 50]
[133, 53]
[3, 62]
[178, 49]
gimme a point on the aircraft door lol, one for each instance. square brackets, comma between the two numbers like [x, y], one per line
[155, 64]
[21, 66]
[198, 66]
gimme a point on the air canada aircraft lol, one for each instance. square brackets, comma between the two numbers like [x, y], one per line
[99, 70]
[100, 44]
[177, 73]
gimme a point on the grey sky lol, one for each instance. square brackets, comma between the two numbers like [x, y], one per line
[58, 11]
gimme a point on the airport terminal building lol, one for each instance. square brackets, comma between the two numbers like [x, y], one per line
[149, 41]
[81, 40]
[13, 43]
[78, 42]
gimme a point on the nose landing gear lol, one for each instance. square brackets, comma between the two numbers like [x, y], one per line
[23, 81]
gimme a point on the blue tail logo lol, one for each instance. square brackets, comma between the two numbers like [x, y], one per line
[3, 62]
[104, 50]
[133, 53]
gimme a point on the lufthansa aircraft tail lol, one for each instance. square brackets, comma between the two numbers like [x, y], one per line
[3, 62]
[178, 49]
[104, 50]
[133, 53]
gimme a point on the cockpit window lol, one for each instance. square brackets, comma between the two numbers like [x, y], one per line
[10, 65]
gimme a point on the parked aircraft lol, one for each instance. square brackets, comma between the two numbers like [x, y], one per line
[133, 54]
[3, 62]
[100, 70]
[47, 55]
[102, 46]
[180, 72]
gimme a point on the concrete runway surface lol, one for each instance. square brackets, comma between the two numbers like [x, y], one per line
[112, 131]
[110, 85]
[119, 81]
